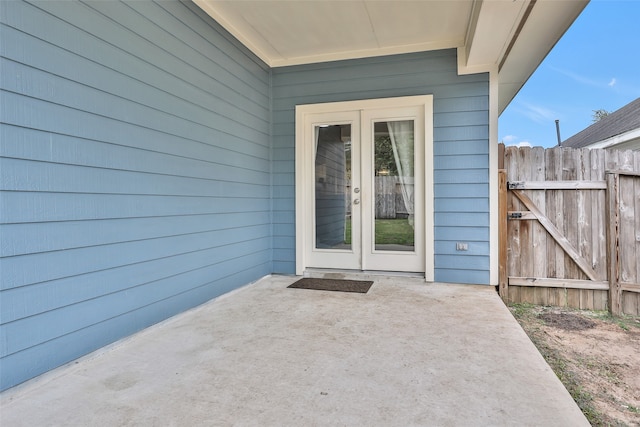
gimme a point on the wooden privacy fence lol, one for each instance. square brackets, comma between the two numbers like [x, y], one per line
[570, 228]
[388, 198]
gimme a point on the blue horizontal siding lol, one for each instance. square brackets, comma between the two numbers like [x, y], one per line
[25, 301]
[34, 329]
[71, 262]
[462, 262]
[37, 83]
[28, 175]
[461, 144]
[453, 162]
[135, 170]
[461, 233]
[42, 115]
[461, 147]
[51, 207]
[468, 204]
[460, 190]
[451, 219]
[196, 160]
[36, 360]
[457, 275]
[444, 247]
[35, 237]
[460, 176]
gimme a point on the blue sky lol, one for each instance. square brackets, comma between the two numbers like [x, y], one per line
[596, 65]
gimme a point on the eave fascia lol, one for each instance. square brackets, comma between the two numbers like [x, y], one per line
[367, 53]
[490, 32]
[617, 140]
[546, 22]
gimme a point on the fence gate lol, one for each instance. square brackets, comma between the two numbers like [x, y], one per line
[570, 228]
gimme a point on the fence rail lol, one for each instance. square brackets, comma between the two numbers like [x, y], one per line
[570, 228]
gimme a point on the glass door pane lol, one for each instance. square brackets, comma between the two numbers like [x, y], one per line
[394, 228]
[332, 187]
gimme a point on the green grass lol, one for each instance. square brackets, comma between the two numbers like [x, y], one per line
[389, 232]
[625, 322]
[394, 232]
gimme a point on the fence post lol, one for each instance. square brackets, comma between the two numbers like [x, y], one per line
[503, 280]
[613, 242]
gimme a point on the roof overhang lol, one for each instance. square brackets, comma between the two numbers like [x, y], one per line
[510, 37]
[628, 140]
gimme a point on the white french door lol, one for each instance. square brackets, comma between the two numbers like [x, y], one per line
[363, 199]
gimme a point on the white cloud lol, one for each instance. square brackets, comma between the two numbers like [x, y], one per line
[537, 113]
[513, 140]
[577, 77]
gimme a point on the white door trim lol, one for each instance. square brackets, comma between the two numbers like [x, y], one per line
[303, 198]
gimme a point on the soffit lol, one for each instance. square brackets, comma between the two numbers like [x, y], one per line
[490, 35]
[296, 32]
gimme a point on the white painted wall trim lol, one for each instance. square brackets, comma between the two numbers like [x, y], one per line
[464, 69]
[366, 53]
[302, 198]
[493, 175]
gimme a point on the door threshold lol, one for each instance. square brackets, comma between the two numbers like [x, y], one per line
[331, 273]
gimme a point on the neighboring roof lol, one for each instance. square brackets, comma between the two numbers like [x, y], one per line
[620, 126]
[510, 37]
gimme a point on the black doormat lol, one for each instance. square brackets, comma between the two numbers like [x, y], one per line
[359, 286]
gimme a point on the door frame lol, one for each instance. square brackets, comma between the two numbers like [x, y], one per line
[303, 200]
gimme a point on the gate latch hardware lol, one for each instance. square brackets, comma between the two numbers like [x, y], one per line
[515, 185]
[515, 215]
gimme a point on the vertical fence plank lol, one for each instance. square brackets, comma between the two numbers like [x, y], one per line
[611, 160]
[630, 303]
[569, 172]
[550, 203]
[503, 283]
[631, 300]
[627, 250]
[559, 216]
[636, 197]
[553, 156]
[584, 243]
[513, 227]
[625, 160]
[525, 159]
[598, 227]
[538, 233]
[600, 300]
[615, 294]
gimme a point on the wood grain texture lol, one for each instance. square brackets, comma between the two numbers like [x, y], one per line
[596, 231]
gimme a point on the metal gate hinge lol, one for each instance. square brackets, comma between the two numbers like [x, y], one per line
[514, 215]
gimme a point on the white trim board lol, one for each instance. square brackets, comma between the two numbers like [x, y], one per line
[302, 202]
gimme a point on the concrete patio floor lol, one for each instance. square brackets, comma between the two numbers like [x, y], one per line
[407, 353]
